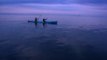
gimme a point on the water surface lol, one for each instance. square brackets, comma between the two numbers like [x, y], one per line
[73, 38]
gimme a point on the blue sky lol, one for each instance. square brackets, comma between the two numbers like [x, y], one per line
[75, 7]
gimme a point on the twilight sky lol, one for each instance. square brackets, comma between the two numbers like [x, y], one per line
[76, 7]
[54, 1]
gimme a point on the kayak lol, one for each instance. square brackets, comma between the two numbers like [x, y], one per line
[47, 22]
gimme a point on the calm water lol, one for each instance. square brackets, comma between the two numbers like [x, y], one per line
[73, 38]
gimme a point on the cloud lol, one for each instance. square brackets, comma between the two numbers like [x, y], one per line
[92, 1]
[73, 9]
[38, 8]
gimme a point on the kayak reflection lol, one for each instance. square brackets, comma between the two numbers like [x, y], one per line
[44, 23]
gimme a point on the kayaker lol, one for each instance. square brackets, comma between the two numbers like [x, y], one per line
[44, 20]
[36, 20]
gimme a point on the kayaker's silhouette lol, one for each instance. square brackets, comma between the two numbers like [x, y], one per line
[36, 20]
[44, 20]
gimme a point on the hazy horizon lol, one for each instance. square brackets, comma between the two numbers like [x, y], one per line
[74, 7]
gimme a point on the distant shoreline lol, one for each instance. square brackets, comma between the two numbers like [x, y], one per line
[52, 14]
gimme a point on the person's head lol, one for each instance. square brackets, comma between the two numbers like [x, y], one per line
[44, 19]
[36, 18]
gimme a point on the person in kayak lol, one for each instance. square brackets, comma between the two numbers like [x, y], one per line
[44, 20]
[36, 20]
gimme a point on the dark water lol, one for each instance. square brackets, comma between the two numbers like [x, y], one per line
[73, 38]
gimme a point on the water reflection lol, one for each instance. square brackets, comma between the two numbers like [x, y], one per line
[65, 42]
[35, 24]
[48, 48]
[57, 51]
